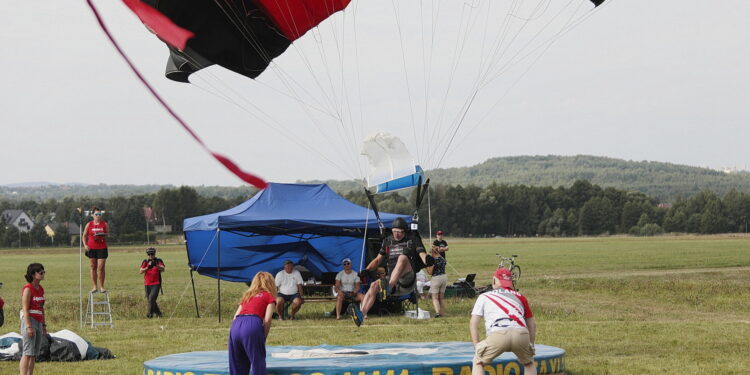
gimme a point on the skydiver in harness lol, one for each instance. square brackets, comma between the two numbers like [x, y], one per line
[405, 256]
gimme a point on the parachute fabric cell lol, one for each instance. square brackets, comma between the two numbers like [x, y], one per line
[296, 17]
[241, 41]
[402, 182]
[391, 165]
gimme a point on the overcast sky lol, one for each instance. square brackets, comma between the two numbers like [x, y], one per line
[660, 80]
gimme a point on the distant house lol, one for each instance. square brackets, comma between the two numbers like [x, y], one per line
[18, 219]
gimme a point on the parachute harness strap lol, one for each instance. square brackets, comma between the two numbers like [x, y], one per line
[421, 192]
[371, 198]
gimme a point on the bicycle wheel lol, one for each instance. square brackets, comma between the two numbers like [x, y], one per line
[516, 272]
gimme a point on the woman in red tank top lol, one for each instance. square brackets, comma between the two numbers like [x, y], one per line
[32, 318]
[95, 242]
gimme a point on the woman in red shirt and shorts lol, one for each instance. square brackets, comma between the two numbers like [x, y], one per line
[32, 317]
[95, 242]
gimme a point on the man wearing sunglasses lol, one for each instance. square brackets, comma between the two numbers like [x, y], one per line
[347, 287]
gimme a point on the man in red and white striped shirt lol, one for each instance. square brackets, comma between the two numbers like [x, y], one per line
[509, 324]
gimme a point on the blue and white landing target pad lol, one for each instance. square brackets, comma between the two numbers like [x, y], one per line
[404, 358]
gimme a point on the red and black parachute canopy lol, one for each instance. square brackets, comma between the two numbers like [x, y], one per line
[240, 35]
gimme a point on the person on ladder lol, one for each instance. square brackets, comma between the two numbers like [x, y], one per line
[95, 241]
[151, 269]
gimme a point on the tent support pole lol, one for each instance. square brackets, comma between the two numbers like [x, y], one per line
[218, 270]
[195, 297]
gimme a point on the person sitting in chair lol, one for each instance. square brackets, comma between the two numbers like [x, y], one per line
[347, 286]
[405, 255]
[289, 284]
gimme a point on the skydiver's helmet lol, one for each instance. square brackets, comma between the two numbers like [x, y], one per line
[400, 223]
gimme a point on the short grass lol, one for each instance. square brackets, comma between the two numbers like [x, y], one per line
[618, 305]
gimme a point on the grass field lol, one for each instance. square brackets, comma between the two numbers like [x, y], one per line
[618, 305]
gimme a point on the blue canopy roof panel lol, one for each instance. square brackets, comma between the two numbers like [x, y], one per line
[294, 208]
[308, 224]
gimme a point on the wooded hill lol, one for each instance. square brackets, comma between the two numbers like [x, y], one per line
[664, 182]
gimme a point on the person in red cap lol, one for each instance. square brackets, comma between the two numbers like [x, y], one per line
[509, 324]
[439, 244]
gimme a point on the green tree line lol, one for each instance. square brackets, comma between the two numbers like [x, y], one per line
[582, 209]
[124, 215]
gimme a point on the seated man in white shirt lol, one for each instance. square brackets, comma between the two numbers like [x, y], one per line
[289, 288]
[347, 286]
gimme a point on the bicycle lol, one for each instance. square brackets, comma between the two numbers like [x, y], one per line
[510, 264]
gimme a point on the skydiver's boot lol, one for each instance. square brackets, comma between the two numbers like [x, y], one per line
[356, 314]
[385, 289]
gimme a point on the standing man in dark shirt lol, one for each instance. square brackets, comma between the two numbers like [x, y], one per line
[440, 245]
[402, 251]
[151, 269]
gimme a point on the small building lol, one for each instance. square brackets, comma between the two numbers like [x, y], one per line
[18, 219]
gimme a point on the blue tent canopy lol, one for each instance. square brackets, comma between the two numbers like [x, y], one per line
[308, 224]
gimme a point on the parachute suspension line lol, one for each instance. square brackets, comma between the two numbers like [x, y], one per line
[505, 26]
[568, 26]
[461, 115]
[468, 105]
[406, 81]
[268, 121]
[421, 189]
[457, 53]
[364, 239]
[427, 139]
[336, 104]
[231, 12]
[438, 136]
[275, 125]
[531, 41]
[429, 215]
[572, 24]
[354, 139]
[226, 162]
[477, 86]
[358, 78]
[473, 13]
[538, 57]
[426, 80]
[500, 47]
[234, 15]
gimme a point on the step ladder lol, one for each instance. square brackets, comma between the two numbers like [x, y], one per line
[99, 311]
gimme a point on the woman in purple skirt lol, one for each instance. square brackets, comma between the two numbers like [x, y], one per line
[250, 327]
